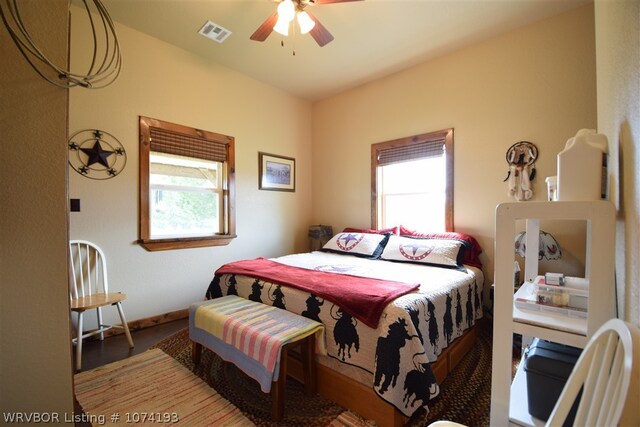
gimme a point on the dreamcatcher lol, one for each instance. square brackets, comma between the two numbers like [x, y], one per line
[521, 158]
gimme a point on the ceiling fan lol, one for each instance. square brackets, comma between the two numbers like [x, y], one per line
[286, 11]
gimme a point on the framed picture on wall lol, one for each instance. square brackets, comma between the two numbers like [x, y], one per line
[276, 173]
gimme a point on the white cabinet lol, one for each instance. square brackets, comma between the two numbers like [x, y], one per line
[508, 401]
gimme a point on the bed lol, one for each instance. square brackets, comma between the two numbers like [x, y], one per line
[417, 294]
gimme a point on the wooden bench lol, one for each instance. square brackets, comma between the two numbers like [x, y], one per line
[234, 327]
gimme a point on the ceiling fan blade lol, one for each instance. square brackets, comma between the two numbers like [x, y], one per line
[331, 1]
[320, 34]
[265, 29]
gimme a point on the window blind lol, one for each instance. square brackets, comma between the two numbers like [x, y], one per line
[169, 142]
[406, 153]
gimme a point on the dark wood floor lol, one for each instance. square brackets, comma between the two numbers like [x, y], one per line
[97, 353]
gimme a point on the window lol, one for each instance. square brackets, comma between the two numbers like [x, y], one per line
[187, 195]
[412, 182]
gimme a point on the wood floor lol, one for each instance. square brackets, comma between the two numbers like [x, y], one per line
[97, 353]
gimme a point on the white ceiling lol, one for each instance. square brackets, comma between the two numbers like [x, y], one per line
[373, 38]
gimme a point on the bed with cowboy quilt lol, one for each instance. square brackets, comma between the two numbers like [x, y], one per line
[390, 304]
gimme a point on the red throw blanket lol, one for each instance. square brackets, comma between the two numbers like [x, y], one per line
[362, 297]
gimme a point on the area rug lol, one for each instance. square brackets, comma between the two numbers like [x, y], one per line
[244, 392]
[152, 388]
[464, 396]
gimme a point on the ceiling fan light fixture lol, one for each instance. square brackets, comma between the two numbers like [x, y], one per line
[305, 22]
[286, 11]
[282, 27]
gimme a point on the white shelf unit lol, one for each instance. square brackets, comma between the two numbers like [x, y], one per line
[509, 401]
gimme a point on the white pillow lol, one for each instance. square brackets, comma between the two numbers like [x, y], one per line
[359, 244]
[437, 252]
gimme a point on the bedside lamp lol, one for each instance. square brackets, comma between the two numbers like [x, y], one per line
[319, 235]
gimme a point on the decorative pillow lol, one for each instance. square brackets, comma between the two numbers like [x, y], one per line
[472, 249]
[437, 252]
[359, 244]
[392, 230]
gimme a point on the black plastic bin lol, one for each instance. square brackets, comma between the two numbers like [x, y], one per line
[548, 366]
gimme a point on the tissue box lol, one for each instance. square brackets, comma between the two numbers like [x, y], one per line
[554, 279]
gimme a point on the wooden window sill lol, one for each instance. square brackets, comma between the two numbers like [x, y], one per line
[185, 243]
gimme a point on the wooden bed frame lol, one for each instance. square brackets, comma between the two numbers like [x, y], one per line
[362, 399]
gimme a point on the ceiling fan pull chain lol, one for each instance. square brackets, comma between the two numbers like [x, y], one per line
[293, 43]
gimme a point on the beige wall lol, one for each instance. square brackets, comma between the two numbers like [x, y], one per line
[536, 83]
[618, 69]
[35, 360]
[161, 81]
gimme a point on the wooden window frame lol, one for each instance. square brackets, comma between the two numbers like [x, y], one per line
[447, 136]
[144, 226]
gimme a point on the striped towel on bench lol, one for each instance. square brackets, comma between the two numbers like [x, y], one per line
[259, 331]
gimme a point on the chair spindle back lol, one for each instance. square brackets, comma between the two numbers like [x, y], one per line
[88, 269]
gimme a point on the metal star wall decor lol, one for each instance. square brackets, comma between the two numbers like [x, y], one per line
[96, 154]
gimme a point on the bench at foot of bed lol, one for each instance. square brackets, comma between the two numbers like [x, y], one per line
[230, 330]
[278, 387]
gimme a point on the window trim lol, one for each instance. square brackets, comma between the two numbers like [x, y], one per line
[447, 136]
[144, 219]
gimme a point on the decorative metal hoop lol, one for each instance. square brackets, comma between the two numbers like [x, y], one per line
[101, 73]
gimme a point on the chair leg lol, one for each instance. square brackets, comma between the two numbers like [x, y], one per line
[124, 324]
[79, 343]
[99, 313]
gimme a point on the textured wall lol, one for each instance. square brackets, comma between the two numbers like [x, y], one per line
[35, 361]
[618, 70]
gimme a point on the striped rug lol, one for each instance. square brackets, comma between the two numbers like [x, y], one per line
[152, 388]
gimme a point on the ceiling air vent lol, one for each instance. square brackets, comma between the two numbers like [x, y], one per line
[214, 31]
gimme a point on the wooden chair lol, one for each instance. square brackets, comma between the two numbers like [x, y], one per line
[90, 289]
[604, 373]
[608, 374]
